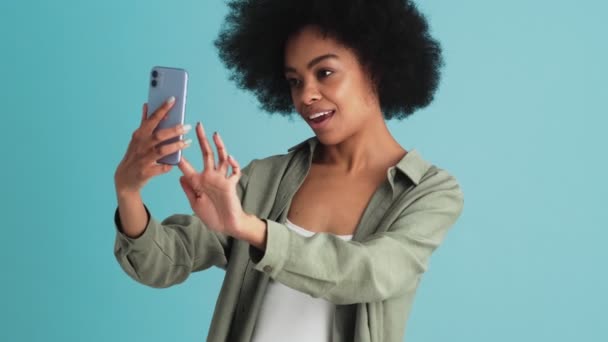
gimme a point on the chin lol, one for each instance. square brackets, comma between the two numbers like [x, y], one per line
[329, 139]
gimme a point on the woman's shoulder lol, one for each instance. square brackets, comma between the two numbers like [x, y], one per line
[421, 170]
[425, 176]
[437, 179]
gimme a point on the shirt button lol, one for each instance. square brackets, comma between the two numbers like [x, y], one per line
[267, 269]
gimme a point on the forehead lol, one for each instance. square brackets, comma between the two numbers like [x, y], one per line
[309, 43]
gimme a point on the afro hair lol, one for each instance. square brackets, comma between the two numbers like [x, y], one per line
[389, 37]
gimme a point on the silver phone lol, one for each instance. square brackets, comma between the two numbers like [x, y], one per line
[164, 83]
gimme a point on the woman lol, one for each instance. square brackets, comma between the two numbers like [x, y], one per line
[328, 241]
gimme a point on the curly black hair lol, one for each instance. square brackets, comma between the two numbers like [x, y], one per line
[389, 37]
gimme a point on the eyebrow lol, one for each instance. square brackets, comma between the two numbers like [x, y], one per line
[313, 61]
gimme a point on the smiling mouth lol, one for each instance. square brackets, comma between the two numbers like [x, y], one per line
[321, 116]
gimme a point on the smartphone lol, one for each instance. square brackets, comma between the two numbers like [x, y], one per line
[164, 83]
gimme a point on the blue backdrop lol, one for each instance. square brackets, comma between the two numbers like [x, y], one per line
[519, 119]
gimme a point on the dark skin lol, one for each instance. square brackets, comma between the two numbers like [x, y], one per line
[347, 167]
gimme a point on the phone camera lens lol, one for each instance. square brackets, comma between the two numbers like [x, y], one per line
[154, 73]
[153, 83]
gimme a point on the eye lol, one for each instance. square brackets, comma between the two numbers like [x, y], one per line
[293, 82]
[324, 73]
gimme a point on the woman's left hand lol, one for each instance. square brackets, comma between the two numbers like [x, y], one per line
[212, 192]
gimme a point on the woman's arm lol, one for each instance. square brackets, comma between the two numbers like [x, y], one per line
[165, 253]
[134, 217]
[388, 264]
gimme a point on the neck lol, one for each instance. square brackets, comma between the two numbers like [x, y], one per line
[367, 149]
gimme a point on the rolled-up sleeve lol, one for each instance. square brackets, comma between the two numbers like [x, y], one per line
[168, 251]
[385, 265]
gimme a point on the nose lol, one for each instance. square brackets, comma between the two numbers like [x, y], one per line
[309, 95]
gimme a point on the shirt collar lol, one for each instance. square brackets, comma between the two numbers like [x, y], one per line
[411, 165]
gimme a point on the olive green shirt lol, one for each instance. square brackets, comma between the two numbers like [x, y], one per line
[372, 278]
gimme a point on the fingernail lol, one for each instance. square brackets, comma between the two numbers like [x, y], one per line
[188, 142]
[171, 99]
[186, 128]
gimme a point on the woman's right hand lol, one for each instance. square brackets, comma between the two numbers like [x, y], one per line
[139, 162]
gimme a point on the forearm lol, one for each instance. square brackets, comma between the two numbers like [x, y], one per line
[167, 251]
[132, 213]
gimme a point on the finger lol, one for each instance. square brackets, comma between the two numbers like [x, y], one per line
[144, 114]
[162, 150]
[187, 189]
[187, 169]
[208, 157]
[236, 168]
[160, 113]
[165, 134]
[158, 169]
[221, 152]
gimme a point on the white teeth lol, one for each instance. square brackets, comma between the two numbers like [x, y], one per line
[316, 115]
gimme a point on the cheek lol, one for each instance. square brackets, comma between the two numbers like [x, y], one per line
[371, 99]
[340, 91]
[354, 94]
[368, 96]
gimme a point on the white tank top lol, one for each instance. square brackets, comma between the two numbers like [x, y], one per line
[290, 315]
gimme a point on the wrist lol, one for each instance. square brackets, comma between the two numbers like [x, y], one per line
[253, 230]
[127, 194]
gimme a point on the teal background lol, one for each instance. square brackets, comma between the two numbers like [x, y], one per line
[519, 119]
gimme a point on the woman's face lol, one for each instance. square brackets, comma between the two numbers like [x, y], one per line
[326, 78]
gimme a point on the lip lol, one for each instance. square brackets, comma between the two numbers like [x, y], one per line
[322, 124]
[310, 111]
